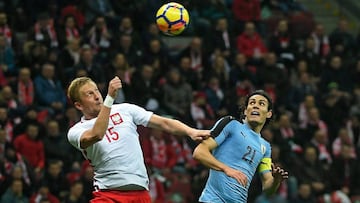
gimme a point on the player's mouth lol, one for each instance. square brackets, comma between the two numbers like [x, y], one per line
[255, 113]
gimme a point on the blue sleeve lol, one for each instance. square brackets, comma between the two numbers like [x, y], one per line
[219, 131]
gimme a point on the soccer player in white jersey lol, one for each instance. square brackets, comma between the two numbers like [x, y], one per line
[235, 151]
[108, 138]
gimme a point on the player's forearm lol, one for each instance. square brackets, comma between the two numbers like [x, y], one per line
[176, 127]
[101, 123]
[98, 130]
[207, 159]
[271, 186]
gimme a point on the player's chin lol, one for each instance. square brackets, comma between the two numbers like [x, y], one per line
[255, 121]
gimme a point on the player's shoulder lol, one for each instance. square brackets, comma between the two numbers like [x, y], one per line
[125, 106]
[76, 126]
[222, 123]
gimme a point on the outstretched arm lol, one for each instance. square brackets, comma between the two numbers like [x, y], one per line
[272, 180]
[177, 127]
[203, 154]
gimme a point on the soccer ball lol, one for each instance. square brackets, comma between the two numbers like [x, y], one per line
[172, 18]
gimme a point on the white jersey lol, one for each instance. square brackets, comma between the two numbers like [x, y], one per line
[117, 159]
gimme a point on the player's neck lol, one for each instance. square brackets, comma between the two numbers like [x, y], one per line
[256, 127]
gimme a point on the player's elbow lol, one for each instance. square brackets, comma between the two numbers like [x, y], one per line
[198, 153]
[89, 138]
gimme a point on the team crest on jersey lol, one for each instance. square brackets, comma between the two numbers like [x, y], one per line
[263, 149]
[116, 118]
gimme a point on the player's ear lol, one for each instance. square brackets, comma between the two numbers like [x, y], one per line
[78, 106]
[269, 114]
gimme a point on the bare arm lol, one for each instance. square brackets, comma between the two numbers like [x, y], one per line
[97, 132]
[272, 180]
[177, 127]
[203, 154]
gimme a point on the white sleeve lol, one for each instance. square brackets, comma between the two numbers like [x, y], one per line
[140, 115]
[74, 136]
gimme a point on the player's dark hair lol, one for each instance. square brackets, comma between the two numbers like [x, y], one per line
[246, 101]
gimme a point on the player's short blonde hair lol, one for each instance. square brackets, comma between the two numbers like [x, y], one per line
[74, 87]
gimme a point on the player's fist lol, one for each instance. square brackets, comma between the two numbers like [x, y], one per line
[114, 86]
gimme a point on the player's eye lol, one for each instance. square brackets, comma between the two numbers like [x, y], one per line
[91, 93]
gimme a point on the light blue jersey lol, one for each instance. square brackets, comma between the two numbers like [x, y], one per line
[242, 149]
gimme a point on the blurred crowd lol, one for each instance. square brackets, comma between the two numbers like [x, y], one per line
[230, 48]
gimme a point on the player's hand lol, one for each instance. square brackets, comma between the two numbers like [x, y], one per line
[114, 86]
[199, 135]
[238, 175]
[278, 173]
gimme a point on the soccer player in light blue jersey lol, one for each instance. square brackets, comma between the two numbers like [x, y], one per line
[236, 150]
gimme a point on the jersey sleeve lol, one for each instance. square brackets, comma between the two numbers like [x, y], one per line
[74, 136]
[140, 115]
[219, 131]
[265, 163]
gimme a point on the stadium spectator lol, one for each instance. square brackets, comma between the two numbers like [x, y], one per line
[283, 44]
[17, 173]
[215, 96]
[304, 193]
[55, 144]
[49, 91]
[8, 99]
[7, 58]
[273, 77]
[69, 30]
[191, 76]
[14, 193]
[242, 72]
[286, 137]
[313, 60]
[343, 168]
[99, 36]
[314, 173]
[315, 123]
[223, 38]
[251, 44]
[124, 44]
[42, 193]
[321, 142]
[246, 11]
[147, 88]
[198, 56]
[177, 96]
[68, 59]
[201, 112]
[54, 177]
[24, 88]
[6, 30]
[32, 148]
[44, 31]
[321, 40]
[7, 124]
[341, 37]
[75, 194]
[156, 56]
[126, 27]
[96, 8]
[89, 63]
